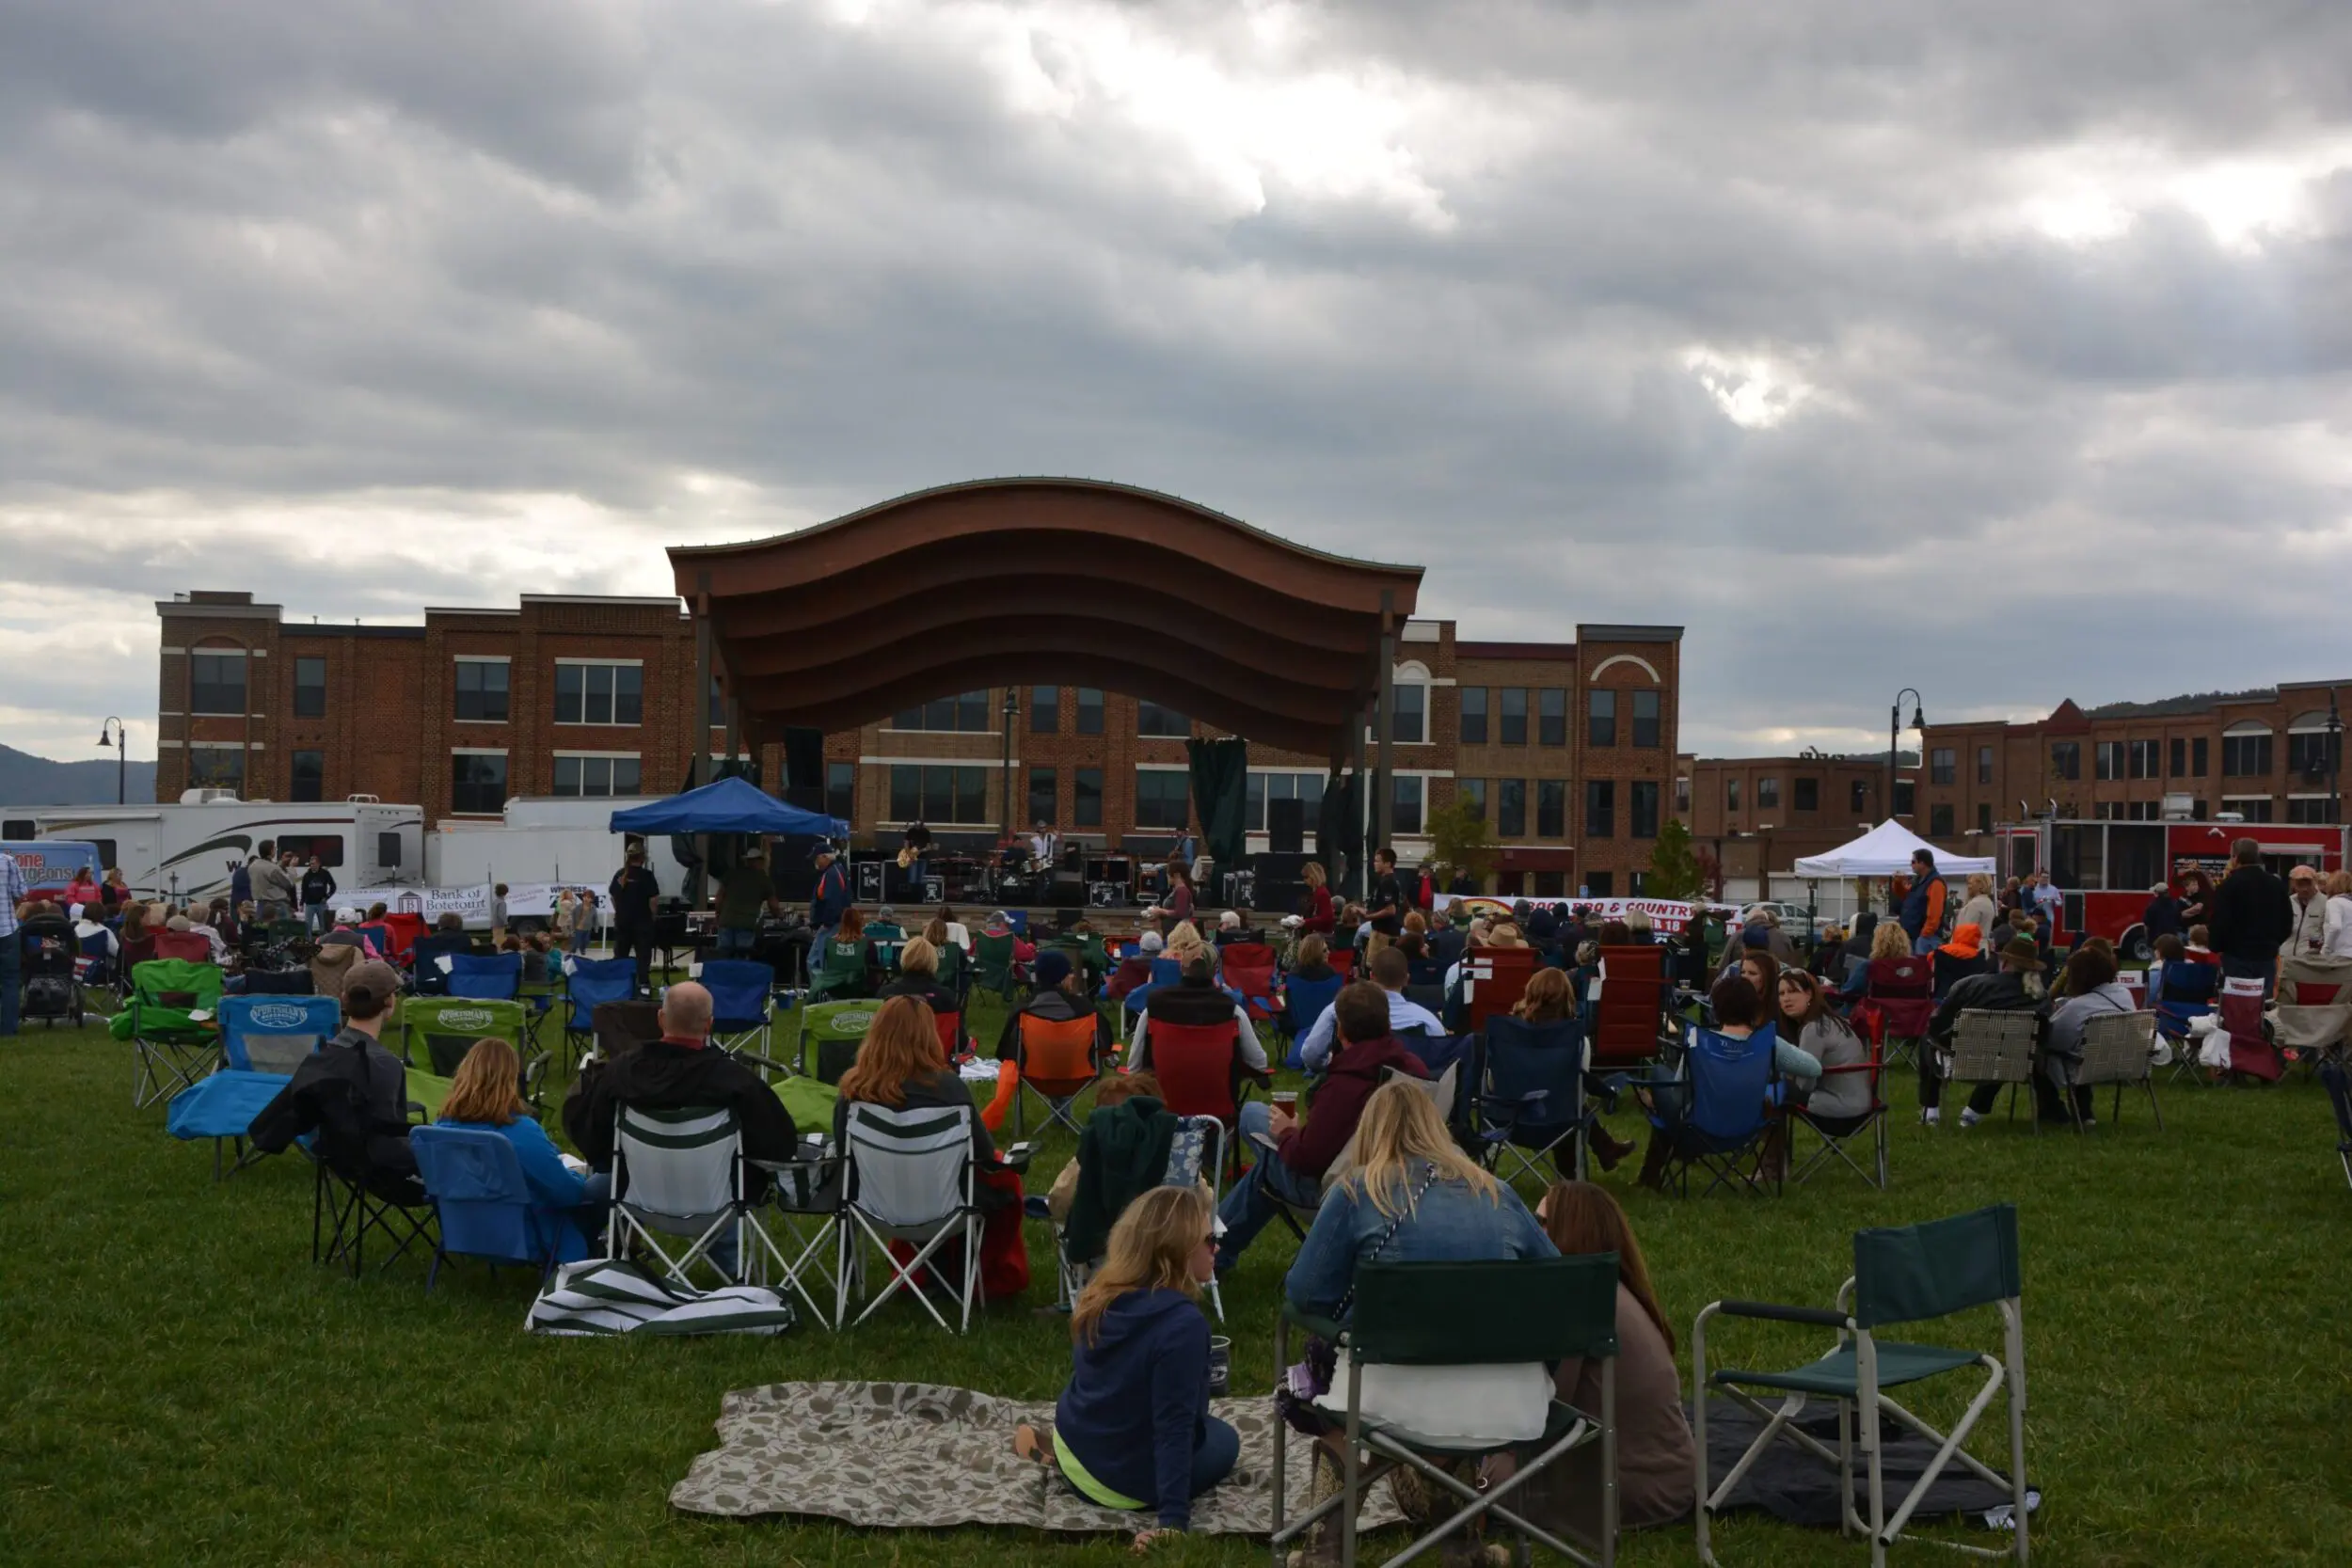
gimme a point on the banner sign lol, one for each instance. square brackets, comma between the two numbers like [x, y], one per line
[1667, 916]
[524, 900]
[49, 864]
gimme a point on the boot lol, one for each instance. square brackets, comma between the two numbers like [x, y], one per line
[1322, 1549]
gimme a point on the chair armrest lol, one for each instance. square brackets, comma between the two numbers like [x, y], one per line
[770, 1062]
[1262, 1077]
[1321, 1327]
[1777, 1314]
[1015, 1159]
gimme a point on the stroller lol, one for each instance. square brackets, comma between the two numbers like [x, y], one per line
[52, 991]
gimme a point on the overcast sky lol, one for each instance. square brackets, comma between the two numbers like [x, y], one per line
[1998, 348]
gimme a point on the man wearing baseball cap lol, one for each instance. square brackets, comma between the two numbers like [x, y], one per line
[375, 1107]
[828, 899]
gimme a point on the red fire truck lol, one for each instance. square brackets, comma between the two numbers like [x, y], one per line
[2104, 869]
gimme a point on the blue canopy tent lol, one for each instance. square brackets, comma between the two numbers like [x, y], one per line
[729, 805]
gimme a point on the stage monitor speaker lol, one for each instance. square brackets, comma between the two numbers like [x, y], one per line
[869, 881]
[1277, 898]
[1286, 826]
[804, 759]
[1066, 890]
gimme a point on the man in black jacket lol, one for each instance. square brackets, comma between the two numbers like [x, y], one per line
[2250, 917]
[353, 1093]
[679, 1072]
[2015, 987]
[635, 892]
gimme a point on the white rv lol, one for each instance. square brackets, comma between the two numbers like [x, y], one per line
[544, 839]
[186, 850]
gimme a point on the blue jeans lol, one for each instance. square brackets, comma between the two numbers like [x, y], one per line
[12, 979]
[736, 942]
[1249, 1206]
[322, 919]
[596, 1211]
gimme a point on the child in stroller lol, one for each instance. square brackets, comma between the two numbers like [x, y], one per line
[50, 992]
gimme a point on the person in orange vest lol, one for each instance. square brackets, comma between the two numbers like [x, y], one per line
[1922, 915]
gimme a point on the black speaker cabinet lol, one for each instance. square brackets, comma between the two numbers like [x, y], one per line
[1286, 826]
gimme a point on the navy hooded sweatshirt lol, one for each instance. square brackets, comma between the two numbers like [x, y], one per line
[1138, 1402]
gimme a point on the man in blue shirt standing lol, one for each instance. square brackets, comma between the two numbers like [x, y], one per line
[828, 901]
[12, 892]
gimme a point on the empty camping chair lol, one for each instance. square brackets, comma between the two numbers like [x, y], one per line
[742, 1006]
[908, 1176]
[262, 1040]
[1713, 1113]
[1838, 1132]
[678, 1187]
[1990, 1047]
[996, 971]
[2331, 1076]
[1533, 1313]
[1248, 969]
[481, 1204]
[588, 982]
[169, 1023]
[1901, 1275]
[1058, 1064]
[2118, 1049]
[435, 1031]
[485, 976]
[1903, 991]
[833, 1031]
[1531, 1093]
[2241, 1014]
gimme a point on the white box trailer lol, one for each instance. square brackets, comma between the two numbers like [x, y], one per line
[187, 849]
[539, 841]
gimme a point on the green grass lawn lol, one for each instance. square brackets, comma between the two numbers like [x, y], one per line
[177, 1383]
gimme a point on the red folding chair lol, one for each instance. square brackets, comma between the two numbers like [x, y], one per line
[1626, 1015]
[1903, 992]
[1494, 979]
[2241, 1011]
[1253, 981]
[1203, 1074]
[1342, 962]
[190, 945]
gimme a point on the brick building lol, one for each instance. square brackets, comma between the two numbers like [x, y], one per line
[1568, 747]
[1758, 816]
[2270, 755]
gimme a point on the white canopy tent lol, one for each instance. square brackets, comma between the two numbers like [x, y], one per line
[1886, 851]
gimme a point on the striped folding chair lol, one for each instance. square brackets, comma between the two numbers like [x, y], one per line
[909, 1178]
[678, 1177]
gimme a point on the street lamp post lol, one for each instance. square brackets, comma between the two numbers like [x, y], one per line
[1012, 709]
[1894, 735]
[121, 744]
[2335, 760]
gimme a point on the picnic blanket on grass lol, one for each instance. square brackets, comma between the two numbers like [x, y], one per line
[920, 1456]
[605, 1296]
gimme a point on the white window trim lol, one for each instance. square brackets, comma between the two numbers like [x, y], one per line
[610, 756]
[633, 663]
[2227, 798]
[2298, 795]
[482, 658]
[929, 762]
[1172, 768]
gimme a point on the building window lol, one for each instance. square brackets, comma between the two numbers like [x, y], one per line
[1645, 808]
[2309, 808]
[1511, 808]
[596, 777]
[2246, 751]
[309, 780]
[599, 693]
[1551, 715]
[1767, 794]
[2308, 749]
[1090, 710]
[2180, 757]
[2107, 810]
[1600, 884]
[1044, 709]
[482, 690]
[2197, 810]
[216, 767]
[935, 793]
[2253, 808]
[1044, 795]
[1984, 765]
[310, 689]
[1514, 716]
[2140, 758]
[1600, 808]
[1943, 766]
[1940, 821]
[1474, 715]
[2200, 755]
[1472, 793]
[2144, 811]
[1731, 795]
[1086, 805]
[1406, 791]
[1152, 719]
[1646, 728]
[1161, 798]
[1984, 816]
[1808, 795]
[1858, 796]
[1904, 790]
[966, 713]
[1601, 719]
[1279, 786]
[477, 780]
[217, 683]
[2066, 759]
[841, 790]
[1551, 808]
[2107, 760]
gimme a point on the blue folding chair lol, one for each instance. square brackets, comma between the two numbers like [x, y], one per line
[262, 1040]
[494, 977]
[475, 1181]
[586, 983]
[1303, 1002]
[1714, 1115]
[424, 961]
[1531, 1096]
[2184, 990]
[742, 1009]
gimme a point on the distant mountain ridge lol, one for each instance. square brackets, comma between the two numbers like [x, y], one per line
[27, 779]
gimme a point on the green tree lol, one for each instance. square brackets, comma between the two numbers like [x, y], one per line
[1674, 869]
[1460, 840]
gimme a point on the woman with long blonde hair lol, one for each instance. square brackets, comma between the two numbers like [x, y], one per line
[1319, 916]
[1132, 1428]
[486, 1095]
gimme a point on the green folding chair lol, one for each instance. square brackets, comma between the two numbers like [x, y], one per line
[951, 975]
[841, 970]
[1412, 1314]
[1901, 1275]
[168, 1021]
[435, 1031]
[992, 955]
[834, 1030]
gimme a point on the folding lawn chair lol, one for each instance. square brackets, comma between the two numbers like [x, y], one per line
[996, 971]
[1303, 1003]
[185, 947]
[485, 976]
[1714, 1116]
[1247, 968]
[173, 1047]
[1531, 1093]
[1904, 989]
[1493, 979]
[1628, 1008]
[677, 1177]
[1902, 1275]
[793, 1232]
[1058, 1064]
[2331, 1076]
[1528, 1311]
[481, 1203]
[2241, 1014]
[435, 1031]
[742, 1011]
[836, 1029]
[908, 1176]
[2183, 993]
[1838, 1132]
[1198, 1153]
[351, 1196]
[262, 1040]
[1203, 1074]
[588, 982]
[2118, 1049]
[1991, 1047]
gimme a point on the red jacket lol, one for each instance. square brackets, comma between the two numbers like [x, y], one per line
[1310, 1149]
[1321, 919]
